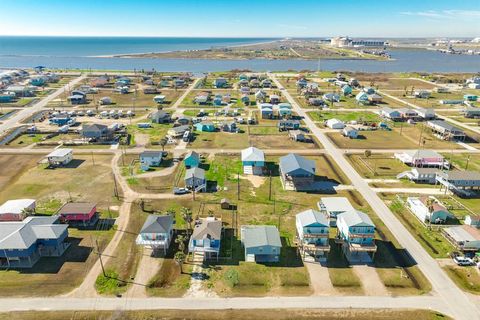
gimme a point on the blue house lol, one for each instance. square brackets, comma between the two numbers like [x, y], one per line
[191, 160]
[206, 237]
[205, 126]
[157, 232]
[220, 82]
[297, 172]
[288, 125]
[23, 243]
[150, 159]
[470, 97]
[253, 161]
[312, 232]
[245, 99]
[261, 243]
[217, 101]
[357, 232]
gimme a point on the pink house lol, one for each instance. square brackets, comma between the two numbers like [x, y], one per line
[84, 213]
[17, 210]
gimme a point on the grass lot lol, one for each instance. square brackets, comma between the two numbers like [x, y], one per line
[460, 161]
[80, 181]
[169, 281]
[431, 240]
[219, 140]
[377, 166]
[379, 139]
[155, 133]
[264, 314]
[22, 102]
[467, 278]
[122, 266]
[26, 140]
[344, 116]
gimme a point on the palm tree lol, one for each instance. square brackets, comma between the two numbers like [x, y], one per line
[170, 212]
[180, 259]
[163, 142]
[188, 217]
[211, 213]
[180, 240]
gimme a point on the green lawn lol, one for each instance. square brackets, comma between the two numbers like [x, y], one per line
[344, 116]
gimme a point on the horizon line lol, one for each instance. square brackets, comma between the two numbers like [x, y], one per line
[229, 37]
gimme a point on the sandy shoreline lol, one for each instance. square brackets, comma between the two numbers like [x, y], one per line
[130, 55]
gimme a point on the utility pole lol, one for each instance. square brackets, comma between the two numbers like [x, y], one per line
[238, 185]
[193, 186]
[93, 159]
[270, 187]
[468, 160]
[115, 187]
[100, 257]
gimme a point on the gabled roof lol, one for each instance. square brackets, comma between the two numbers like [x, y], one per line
[94, 126]
[311, 218]
[292, 162]
[423, 153]
[258, 236]
[151, 154]
[192, 154]
[21, 235]
[460, 175]
[157, 224]
[199, 173]
[253, 154]
[355, 218]
[208, 228]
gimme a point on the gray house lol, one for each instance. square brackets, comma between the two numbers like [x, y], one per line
[96, 131]
[160, 116]
[150, 159]
[157, 232]
[23, 243]
[445, 130]
[195, 179]
[459, 181]
[296, 172]
[261, 243]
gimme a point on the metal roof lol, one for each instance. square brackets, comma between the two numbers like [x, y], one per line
[292, 162]
[253, 154]
[258, 236]
[61, 152]
[312, 217]
[16, 206]
[355, 218]
[157, 224]
[335, 204]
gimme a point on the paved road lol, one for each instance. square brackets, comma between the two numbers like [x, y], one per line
[27, 111]
[459, 305]
[312, 302]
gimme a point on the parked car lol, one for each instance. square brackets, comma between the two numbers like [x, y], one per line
[179, 191]
[463, 261]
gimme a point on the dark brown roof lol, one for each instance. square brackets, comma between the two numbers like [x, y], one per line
[76, 208]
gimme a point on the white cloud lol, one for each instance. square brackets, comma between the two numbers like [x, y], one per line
[444, 14]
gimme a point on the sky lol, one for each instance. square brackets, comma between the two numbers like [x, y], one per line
[227, 18]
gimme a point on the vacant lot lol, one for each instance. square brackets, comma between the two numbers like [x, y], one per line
[122, 266]
[219, 140]
[344, 116]
[466, 278]
[380, 166]
[87, 178]
[379, 139]
[264, 314]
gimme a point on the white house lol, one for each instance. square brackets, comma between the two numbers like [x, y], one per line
[434, 213]
[60, 157]
[335, 124]
[16, 210]
[426, 114]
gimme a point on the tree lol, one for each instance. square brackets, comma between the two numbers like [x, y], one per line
[367, 153]
[188, 217]
[211, 213]
[180, 259]
[180, 240]
[163, 142]
[171, 212]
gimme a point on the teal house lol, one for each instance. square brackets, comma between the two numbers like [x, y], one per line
[470, 97]
[357, 232]
[312, 232]
[346, 90]
[192, 160]
[362, 98]
[205, 126]
[37, 82]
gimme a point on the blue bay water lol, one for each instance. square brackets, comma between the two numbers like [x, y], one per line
[80, 52]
